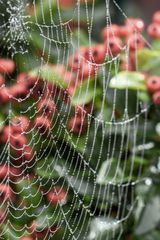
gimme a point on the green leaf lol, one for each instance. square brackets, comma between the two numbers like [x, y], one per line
[144, 96]
[151, 213]
[48, 73]
[104, 228]
[29, 192]
[80, 38]
[42, 11]
[27, 62]
[149, 61]
[128, 80]
[154, 235]
[149, 207]
[47, 218]
[140, 161]
[11, 233]
[72, 141]
[107, 172]
[85, 93]
[156, 44]
[51, 168]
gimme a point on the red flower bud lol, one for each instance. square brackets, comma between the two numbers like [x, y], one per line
[2, 80]
[66, 3]
[69, 78]
[136, 24]
[29, 83]
[20, 124]
[8, 172]
[5, 192]
[86, 71]
[18, 92]
[46, 107]
[77, 125]
[22, 78]
[6, 66]
[59, 68]
[42, 124]
[70, 92]
[112, 30]
[41, 232]
[18, 141]
[154, 30]
[3, 215]
[135, 41]
[76, 61]
[57, 195]
[4, 95]
[5, 134]
[125, 31]
[156, 17]
[96, 54]
[156, 98]
[25, 155]
[153, 84]
[28, 153]
[114, 45]
[81, 111]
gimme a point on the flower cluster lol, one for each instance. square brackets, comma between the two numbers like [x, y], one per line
[15, 133]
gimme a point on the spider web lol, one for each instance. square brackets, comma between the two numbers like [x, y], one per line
[91, 168]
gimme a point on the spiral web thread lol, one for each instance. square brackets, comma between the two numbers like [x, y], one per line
[77, 174]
